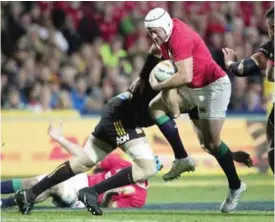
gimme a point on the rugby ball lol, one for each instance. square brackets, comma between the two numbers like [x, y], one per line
[164, 70]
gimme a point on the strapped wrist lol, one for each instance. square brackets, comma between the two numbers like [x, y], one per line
[229, 63]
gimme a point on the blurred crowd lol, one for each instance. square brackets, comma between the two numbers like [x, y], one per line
[78, 55]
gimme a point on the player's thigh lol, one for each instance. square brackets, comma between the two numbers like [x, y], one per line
[212, 100]
[171, 100]
[96, 149]
[157, 106]
[139, 149]
[143, 156]
[211, 132]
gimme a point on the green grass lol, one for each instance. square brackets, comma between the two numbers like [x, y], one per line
[152, 216]
[188, 189]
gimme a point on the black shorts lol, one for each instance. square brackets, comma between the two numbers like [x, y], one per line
[116, 125]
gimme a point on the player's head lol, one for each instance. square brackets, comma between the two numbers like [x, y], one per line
[159, 24]
[270, 22]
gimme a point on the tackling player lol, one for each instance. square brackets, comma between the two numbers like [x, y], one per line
[262, 59]
[204, 85]
[119, 126]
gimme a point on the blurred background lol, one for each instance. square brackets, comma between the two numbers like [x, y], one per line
[78, 55]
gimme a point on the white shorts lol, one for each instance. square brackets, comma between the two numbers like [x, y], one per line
[212, 100]
[68, 189]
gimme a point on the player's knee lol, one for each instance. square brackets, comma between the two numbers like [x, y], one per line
[156, 108]
[143, 170]
[79, 164]
[149, 169]
[29, 182]
[210, 145]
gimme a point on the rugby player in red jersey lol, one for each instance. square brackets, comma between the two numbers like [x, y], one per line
[65, 194]
[203, 84]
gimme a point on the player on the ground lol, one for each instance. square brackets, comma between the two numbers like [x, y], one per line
[203, 84]
[262, 59]
[65, 194]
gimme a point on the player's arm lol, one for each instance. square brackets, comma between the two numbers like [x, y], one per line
[107, 199]
[152, 59]
[242, 157]
[245, 67]
[56, 134]
[124, 201]
[183, 76]
[182, 55]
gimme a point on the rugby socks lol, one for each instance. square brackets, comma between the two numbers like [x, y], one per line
[169, 129]
[61, 173]
[271, 159]
[225, 160]
[122, 178]
[8, 202]
[11, 186]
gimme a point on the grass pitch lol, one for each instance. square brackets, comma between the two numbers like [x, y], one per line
[190, 199]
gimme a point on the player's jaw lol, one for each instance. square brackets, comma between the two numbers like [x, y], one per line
[158, 35]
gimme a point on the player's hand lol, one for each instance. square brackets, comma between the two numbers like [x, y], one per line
[55, 132]
[242, 157]
[133, 87]
[229, 56]
[154, 82]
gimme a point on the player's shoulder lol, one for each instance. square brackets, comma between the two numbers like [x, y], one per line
[181, 31]
[178, 26]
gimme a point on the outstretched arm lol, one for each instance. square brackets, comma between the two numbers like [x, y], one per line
[252, 65]
[247, 66]
[57, 135]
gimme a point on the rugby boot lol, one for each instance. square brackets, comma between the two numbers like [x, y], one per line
[89, 198]
[21, 199]
[180, 166]
[231, 202]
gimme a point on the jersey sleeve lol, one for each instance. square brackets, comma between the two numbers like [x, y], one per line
[113, 162]
[129, 198]
[181, 47]
[268, 50]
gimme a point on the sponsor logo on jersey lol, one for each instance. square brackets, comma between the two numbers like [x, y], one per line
[122, 139]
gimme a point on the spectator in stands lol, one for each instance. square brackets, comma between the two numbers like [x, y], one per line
[63, 55]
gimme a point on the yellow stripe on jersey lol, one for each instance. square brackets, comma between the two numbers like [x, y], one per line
[121, 127]
[119, 132]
